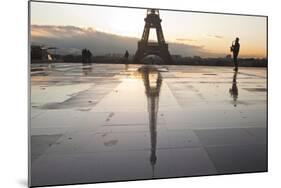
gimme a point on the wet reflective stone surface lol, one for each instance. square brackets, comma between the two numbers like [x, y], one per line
[96, 123]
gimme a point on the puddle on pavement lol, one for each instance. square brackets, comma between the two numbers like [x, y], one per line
[210, 74]
[144, 120]
[256, 89]
[40, 143]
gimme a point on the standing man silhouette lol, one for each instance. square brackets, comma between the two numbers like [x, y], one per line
[235, 51]
[126, 56]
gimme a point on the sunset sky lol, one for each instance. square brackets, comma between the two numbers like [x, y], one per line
[211, 32]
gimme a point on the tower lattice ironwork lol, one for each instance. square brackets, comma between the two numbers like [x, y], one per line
[159, 48]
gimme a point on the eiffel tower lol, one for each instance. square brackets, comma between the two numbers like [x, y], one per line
[159, 48]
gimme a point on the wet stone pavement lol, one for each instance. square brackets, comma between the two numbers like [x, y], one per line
[96, 123]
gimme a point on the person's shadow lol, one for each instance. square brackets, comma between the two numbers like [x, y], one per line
[234, 89]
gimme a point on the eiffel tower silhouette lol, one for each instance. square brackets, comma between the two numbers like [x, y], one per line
[159, 48]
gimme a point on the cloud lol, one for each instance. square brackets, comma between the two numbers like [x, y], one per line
[185, 40]
[216, 36]
[56, 31]
[71, 40]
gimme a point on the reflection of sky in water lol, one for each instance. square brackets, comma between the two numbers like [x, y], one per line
[196, 91]
[146, 123]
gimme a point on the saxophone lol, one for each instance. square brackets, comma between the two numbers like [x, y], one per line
[232, 46]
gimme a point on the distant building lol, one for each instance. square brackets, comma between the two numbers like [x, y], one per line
[176, 57]
[39, 53]
[196, 57]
